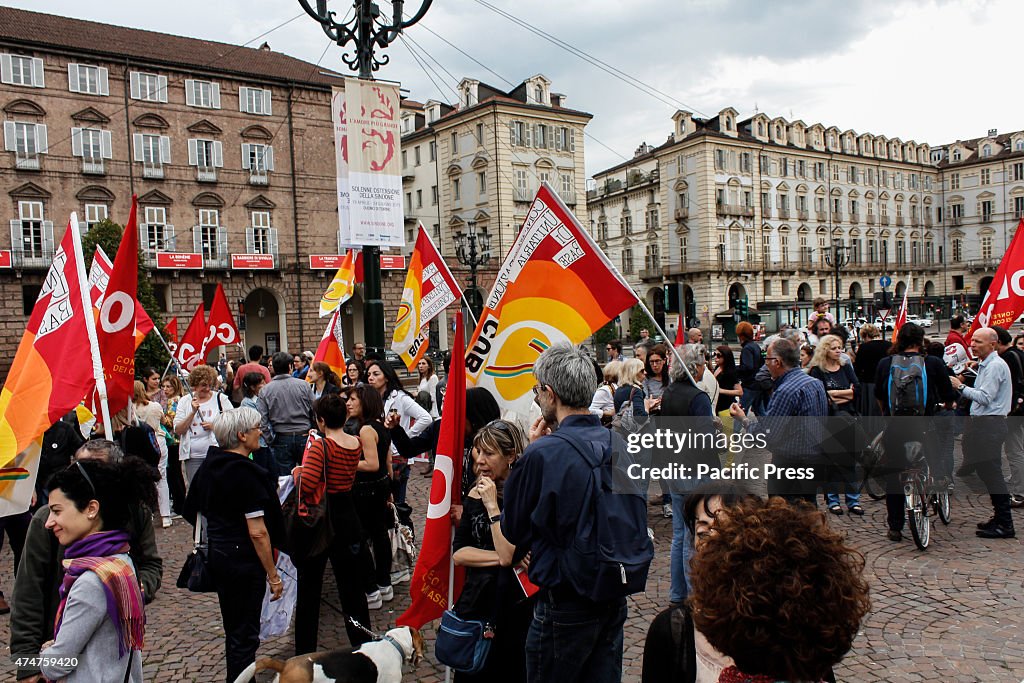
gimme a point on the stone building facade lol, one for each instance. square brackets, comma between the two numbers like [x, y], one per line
[731, 215]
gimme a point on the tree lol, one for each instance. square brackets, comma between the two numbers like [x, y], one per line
[638, 320]
[107, 234]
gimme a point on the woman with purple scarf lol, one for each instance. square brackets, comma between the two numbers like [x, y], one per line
[100, 625]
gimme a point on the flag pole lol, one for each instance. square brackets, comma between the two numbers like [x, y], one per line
[451, 591]
[90, 325]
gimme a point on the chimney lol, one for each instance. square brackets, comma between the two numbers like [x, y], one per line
[992, 132]
[265, 47]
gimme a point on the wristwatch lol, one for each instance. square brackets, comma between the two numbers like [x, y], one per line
[494, 518]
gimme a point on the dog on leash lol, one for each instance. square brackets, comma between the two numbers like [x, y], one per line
[377, 661]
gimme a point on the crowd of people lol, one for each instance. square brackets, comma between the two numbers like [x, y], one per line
[549, 500]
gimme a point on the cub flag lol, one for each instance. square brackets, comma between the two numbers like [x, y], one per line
[332, 344]
[115, 327]
[1004, 300]
[171, 328]
[52, 371]
[189, 351]
[342, 286]
[99, 277]
[430, 288]
[555, 285]
[432, 578]
[220, 326]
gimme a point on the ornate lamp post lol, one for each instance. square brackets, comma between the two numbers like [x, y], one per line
[366, 30]
[468, 253]
[837, 257]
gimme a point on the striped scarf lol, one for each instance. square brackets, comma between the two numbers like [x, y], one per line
[124, 597]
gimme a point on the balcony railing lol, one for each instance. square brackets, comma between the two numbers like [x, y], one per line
[854, 217]
[821, 216]
[900, 221]
[152, 169]
[206, 174]
[568, 197]
[837, 216]
[986, 218]
[31, 243]
[259, 178]
[871, 219]
[735, 210]
[155, 238]
[982, 264]
[884, 220]
[682, 213]
[956, 220]
[92, 166]
[522, 195]
[26, 162]
[927, 221]
[803, 214]
[783, 214]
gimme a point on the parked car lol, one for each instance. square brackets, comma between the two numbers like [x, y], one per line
[888, 325]
[923, 321]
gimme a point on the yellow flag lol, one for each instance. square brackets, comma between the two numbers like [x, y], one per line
[342, 286]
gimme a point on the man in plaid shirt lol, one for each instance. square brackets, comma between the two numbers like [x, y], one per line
[794, 442]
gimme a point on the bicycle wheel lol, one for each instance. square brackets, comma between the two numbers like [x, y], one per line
[873, 485]
[940, 502]
[874, 481]
[917, 511]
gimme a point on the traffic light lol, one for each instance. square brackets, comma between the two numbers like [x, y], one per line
[741, 307]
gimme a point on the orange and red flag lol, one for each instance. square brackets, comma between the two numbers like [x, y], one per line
[331, 349]
[51, 373]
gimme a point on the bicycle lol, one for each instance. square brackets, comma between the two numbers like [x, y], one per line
[923, 498]
[873, 482]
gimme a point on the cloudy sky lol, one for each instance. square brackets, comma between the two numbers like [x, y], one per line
[931, 71]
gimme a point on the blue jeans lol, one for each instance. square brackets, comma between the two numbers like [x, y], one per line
[401, 482]
[572, 641]
[287, 450]
[680, 554]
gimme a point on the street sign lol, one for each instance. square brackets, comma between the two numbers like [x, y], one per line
[252, 261]
[885, 281]
[883, 313]
[325, 261]
[178, 261]
[392, 262]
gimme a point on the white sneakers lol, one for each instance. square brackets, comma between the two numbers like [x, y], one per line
[166, 522]
[377, 598]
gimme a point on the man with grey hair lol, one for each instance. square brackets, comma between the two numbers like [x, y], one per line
[548, 491]
[794, 443]
[39, 574]
[694, 336]
[683, 399]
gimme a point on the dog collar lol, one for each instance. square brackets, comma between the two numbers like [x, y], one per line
[394, 644]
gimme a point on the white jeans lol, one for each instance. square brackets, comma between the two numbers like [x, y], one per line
[163, 494]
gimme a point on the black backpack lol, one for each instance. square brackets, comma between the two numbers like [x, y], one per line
[140, 440]
[610, 553]
[1015, 361]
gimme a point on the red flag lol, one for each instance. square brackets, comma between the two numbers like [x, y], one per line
[430, 579]
[901, 317]
[220, 326]
[189, 351]
[680, 332]
[115, 328]
[143, 324]
[1004, 300]
[171, 328]
[52, 371]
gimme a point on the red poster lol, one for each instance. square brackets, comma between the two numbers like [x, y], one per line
[252, 261]
[176, 261]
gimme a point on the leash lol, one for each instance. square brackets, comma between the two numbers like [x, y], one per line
[379, 637]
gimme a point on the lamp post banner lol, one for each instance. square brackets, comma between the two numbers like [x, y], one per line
[341, 164]
[371, 149]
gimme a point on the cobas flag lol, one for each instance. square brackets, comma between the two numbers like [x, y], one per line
[429, 587]
[220, 326]
[555, 285]
[1004, 300]
[430, 288]
[51, 373]
[189, 351]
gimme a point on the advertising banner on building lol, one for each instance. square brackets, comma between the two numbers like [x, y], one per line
[341, 165]
[370, 150]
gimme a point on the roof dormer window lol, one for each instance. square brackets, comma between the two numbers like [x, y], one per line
[986, 151]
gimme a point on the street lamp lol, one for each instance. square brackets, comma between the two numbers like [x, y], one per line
[367, 29]
[468, 253]
[837, 257]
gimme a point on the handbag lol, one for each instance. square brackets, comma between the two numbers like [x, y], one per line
[403, 550]
[463, 644]
[195, 574]
[308, 529]
[625, 422]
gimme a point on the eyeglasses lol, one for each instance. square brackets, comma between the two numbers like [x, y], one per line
[607, 348]
[85, 475]
[537, 388]
[768, 358]
[656, 360]
[718, 355]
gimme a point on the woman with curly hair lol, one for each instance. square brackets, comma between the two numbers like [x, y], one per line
[778, 591]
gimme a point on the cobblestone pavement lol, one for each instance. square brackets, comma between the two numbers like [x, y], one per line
[952, 613]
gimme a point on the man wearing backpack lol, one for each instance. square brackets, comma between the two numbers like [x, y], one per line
[587, 539]
[991, 398]
[909, 385]
[1014, 446]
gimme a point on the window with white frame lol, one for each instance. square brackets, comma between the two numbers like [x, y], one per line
[522, 185]
[627, 222]
[261, 238]
[417, 155]
[456, 189]
[479, 138]
[986, 176]
[1017, 171]
[207, 156]
[481, 183]
[433, 195]
[88, 79]
[986, 247]
[958, 250]
[205, 94]
[419, 199]
[159, 236]
[19, 70]
[433, 150]
[683, 248]
[209, 225]
[627, 261]
[258, 159]
[567, 185]
[95, 214]
[147, 87]
[32, 244]
[153, 151]
[27, 141]
[455, 142]
[540, 136]
[517, 132]
[954, 181]
[93, 146]
[254, 101]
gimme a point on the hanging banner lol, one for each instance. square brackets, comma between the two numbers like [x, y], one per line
[371, 150]
[341, 165]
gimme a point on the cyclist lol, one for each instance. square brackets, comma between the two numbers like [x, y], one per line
[926, 385]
